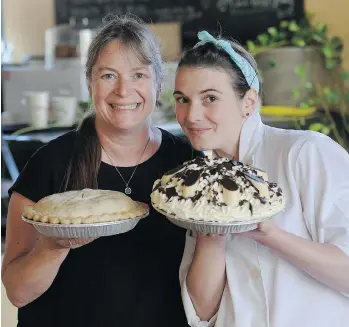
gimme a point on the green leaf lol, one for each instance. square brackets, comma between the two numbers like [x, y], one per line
[272, 63]
[251, 47]
[327, 51]
[272, 31]
[327, 91]
[284, 24]
[298, 42]
[318, 38]
[338, 60]
[308, 85]
[323, 28]
[333, 97]
[337, 43]
[311, 102]
[318, 100]
[296, 93]
[330, 64]
[316, 127]
[300, 71]
[293, 27]
[282, 36]
[304, 105]
[309, 16]
[325, 130]
[302, 121]
[263, 39]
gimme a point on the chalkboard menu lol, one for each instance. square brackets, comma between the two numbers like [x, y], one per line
[240, 19]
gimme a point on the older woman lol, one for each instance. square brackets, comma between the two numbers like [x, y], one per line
[122, 280]
[293, 271]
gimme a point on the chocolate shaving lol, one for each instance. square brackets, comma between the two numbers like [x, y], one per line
[199, 161]
[158, 186]
[227, 165]
[242, 202]
[191, 177]
[213, 170]
[239, 173]
[170, 192]
[196, 197]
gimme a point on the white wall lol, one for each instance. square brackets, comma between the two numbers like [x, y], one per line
[336, 14]
[25, 22]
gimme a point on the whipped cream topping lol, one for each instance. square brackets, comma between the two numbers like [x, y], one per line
[217, 189]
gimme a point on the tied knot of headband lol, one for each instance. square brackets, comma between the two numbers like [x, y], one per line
[245, 67]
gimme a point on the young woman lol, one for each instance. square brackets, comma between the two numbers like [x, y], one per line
[294, 270]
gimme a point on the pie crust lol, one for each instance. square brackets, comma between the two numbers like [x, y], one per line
[85, 206]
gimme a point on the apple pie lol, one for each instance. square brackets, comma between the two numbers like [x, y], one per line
[85, 206]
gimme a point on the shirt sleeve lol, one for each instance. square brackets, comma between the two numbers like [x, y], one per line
[322, 174]
[192, 317]
[34, 181]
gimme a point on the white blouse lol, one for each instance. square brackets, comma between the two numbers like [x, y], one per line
[262, 289]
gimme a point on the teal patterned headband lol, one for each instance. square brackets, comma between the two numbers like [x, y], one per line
[245, 67]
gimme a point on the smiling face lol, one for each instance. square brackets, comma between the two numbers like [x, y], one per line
[122, 88]
[208, 108]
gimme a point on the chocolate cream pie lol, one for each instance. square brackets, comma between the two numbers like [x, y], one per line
[85, 207]
[217, 189]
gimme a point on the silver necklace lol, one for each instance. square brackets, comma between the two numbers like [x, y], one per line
[128, 189]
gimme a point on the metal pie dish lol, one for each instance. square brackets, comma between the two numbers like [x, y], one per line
[85, 230]
[214, 227]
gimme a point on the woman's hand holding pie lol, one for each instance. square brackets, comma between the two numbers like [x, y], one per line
[64, 243]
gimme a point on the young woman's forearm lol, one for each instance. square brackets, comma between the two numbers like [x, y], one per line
[325, 262]
[206, 276]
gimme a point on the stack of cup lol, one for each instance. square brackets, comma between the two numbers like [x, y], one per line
[38, 106]
[64, 110]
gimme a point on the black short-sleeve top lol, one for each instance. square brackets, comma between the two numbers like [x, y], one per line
[126, 280]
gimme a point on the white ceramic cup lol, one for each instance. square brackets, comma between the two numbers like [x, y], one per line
[38, 106]
[64, 110]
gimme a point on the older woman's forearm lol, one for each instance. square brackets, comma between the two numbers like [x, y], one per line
[206, 276]
[324, 262]
[30, 275]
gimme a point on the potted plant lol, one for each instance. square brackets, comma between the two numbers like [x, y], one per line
[301, 65]
[332, 99]
[281, 49]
